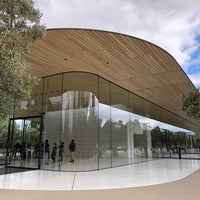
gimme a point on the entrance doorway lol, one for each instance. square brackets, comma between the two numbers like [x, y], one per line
[24, 142]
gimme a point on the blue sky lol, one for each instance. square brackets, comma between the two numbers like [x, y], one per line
[172, 25]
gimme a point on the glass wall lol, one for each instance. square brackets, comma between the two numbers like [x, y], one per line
[104, 127]
[110, 125]
[23, 147]
[52, 106]
[119, 122]
[80, 120]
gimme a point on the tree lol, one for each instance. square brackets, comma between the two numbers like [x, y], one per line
[191, 104]
[19, 29]
[180, 138]
[197, 140]
[156, 136]
[3, 133]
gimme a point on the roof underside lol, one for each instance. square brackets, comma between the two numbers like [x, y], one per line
[137, 65]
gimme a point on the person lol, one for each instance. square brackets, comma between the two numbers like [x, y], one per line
[54, 152]
[46, 151]
[61, 149]
[23, 151]
[29, 150]
[72, 148]
[14, 151]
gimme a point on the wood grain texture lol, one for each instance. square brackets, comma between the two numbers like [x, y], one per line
[139, 66]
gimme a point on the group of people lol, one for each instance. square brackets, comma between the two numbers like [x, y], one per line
[72, 148]
[22, 150]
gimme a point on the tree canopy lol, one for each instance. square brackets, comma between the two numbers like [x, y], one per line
[191, 104]
[19, 28]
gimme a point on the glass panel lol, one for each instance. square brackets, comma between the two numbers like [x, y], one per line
[110, 126]
[24, 143]
[52, 131]
[149, 109]
[33, 105]
[3, 140]
[138, 129]
[9, 142]
[136, 105]
[105, 150]
[120, 120]
[156, 135]
[80, 120]
[16, 144]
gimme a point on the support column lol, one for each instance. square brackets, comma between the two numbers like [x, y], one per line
[149, 144]
[130, 140]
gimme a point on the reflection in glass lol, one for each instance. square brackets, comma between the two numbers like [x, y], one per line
[110, 125]
[24, 142]
[80, 120]
[104, 139]
[52, 119]
[119, 124]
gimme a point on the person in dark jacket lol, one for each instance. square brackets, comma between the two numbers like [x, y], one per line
[54, 152]
[61, 150]
[72, 148]
[46, 151]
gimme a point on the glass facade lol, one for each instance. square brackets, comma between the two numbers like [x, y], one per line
[110, 125]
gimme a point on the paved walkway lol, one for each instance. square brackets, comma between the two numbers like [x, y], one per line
[141, 174]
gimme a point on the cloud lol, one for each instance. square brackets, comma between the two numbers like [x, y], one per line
[195, 78]
[172, 25]
[193, 69]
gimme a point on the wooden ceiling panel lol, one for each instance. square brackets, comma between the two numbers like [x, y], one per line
[139, 66]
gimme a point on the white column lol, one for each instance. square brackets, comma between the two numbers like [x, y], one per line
[149, 144]
[130, 139]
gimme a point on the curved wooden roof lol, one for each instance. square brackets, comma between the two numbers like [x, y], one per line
[135, 64]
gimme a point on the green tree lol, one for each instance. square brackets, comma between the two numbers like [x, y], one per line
[19, 29]
[3, 133]
[156, 136]
[197, 140]
[180, 138]
[191, 104]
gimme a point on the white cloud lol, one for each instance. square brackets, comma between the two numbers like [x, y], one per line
[172, 25]
[195, 78]
[194, 63]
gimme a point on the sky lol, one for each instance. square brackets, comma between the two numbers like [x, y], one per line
[173, 25]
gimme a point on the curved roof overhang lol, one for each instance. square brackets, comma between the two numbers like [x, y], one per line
[137, 65]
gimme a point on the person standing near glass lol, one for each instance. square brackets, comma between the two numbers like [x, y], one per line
[72, 148]
[61, 149]
[46, 151]
[54, 151]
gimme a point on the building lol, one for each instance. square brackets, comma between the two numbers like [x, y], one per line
[117, 96]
